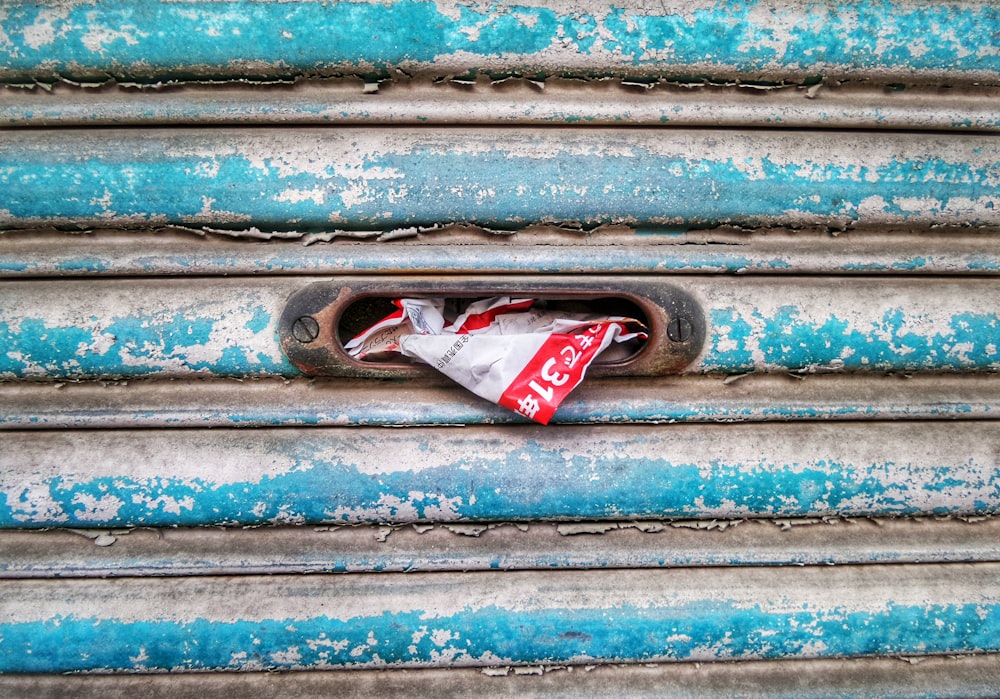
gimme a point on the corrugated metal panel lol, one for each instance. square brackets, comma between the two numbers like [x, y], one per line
[889, 40]
[176, 552]
[754, 398]
[229, 327]
[500, 618]
[955, 677]
[469, 250]
[359, 178]
[117, 478]
[840, 159]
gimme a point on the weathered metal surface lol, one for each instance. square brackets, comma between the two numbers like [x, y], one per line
[610, 102]
[508, 618]
[335, 402]
[620, 250]
[136, 328]
[823, 328]
[888, 40]
[926, 677]
[538, 546]
[313, 179]
[685, 577]
[121, 478]
[228, 327]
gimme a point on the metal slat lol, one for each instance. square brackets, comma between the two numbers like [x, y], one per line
[561, 102]
[539, 546]
[314, 179]
[227, 327]
[509, 618]
[457, 249]
[338, 403]
[927, 677]
[123, 478]
[888, 40]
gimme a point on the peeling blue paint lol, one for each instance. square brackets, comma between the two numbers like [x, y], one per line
[238, 38]
[160, 341]
[84, 264]
[122, 179]
[983, 263]
[16, 265]
[493, 479]
[720, 629]
[260, 322]
[741, 341]
[229, 328]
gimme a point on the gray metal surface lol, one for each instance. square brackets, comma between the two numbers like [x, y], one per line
[538, 249]
[609, 102]
[540, 546]
[952, 677]
[156, 404]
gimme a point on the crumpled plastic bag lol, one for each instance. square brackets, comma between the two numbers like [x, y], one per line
[514, 352]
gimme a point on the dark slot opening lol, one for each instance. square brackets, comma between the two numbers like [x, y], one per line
[369, 310]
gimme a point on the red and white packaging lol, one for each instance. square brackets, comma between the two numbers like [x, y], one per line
[414, 316]
[525, 359]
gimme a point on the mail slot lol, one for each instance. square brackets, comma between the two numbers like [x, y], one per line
[318, 319]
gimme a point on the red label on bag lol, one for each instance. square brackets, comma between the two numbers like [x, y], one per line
[479, 321]
[556, 369]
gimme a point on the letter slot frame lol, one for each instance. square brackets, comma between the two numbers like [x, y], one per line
[309, 324]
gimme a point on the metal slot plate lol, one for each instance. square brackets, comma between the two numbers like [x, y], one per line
[324, 305]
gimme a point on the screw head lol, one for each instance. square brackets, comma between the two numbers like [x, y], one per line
[679, 329]
[305, 329]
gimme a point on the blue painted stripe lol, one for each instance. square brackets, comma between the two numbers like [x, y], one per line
[240, 38]
[227, 327]
[783, 338]
[343, 476]
[362, 179]
[136, 330]
[434, 620]
[490, 636]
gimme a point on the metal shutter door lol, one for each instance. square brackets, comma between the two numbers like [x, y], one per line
[796, 500]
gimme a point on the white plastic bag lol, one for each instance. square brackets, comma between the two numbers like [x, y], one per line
[513, 352]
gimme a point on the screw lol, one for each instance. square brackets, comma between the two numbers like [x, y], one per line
[305, 329]
[679, 329]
